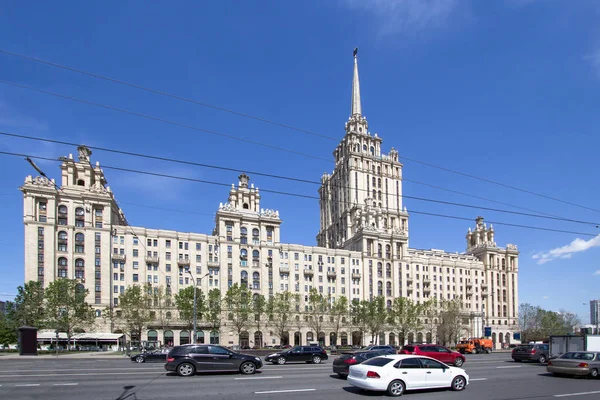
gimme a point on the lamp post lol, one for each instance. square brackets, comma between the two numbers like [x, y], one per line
[482, 321]
[195, 304]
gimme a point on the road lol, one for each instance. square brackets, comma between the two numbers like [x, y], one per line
[494, 377]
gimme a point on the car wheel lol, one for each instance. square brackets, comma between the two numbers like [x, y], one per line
[396, 388]
[542, 359]
[343, 376]
[139, 359]
[281, 360]
[186, 369]
[594, 373]
[316, 360]
[458, 362]
[459, 383]
[248, 368]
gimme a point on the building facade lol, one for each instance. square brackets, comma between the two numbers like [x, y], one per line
[77, 230]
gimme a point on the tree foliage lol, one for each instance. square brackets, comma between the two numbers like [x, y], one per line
[65, 307]
[404, 317]
[376, 318]
[259, 307]
[29, 307]
[184, 301]
[338, 311]
[450, 322]
[214, 309]
[538, 324]
[318, 306]
[8, 325]
[238, 303]
[135, 309]
[359, 312]
[280, 308]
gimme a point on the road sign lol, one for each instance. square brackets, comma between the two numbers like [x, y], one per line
[487, 331]
[517, 336]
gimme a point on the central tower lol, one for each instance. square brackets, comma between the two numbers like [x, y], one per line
[361, 201]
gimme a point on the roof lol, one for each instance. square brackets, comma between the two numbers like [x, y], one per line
[51, 335]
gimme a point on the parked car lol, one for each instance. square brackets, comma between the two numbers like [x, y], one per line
[387, 349]
[159, 355]
[439, 353]
[580, 363]
[313, 354]
[342, 364]
[188, 359]
[395, 374]
[531, 352]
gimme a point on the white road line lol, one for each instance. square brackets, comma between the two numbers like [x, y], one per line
[79, 369]
[576, 394]
[511, 366]
[477, 379]
[28, 384]
[65, 384]
[86, 374]
[258, 377]
[286, 391]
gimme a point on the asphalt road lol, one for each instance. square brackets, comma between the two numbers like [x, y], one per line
[494, 377]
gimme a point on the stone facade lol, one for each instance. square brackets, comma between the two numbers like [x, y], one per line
[77, 230]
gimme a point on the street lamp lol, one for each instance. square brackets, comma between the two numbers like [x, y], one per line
[195, 303]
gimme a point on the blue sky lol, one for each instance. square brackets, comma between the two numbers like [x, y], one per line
[507, 90]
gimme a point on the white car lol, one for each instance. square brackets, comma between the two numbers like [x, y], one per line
[395, 374]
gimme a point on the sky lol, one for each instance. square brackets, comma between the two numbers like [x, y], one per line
[507, 90]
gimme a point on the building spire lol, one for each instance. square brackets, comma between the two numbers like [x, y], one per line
[356, 106]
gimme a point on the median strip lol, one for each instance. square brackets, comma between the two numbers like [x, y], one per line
[286, 391]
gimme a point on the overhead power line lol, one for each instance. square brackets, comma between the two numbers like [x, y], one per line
[302, 180]
[294, 194]
[166, 121]
[265, 120]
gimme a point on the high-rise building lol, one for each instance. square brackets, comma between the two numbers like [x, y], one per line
[594, 312]
[77, 230]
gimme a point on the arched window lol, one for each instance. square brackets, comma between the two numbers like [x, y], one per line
[255, 236]
[379, 251]
[98, 313]
[374, 194]
[243, 235]
[168, 315]
[388, 251]
[243, 254]
[379, 288]
[372, 150]
[245, 206]
[63, 212]
[79, 289]
[79, 268]
[255, 254]
[388, 304]
[79, 217]
[388, 270]
[244, 278]
[503, 264]
[365, 148]
[62, 241]
[256, 280]
[379, 270]
[378, 179]
[379, 195]
[79, 243]
[388, 288]
[80, 182]
[374, 181]
[379, 172]
[62, 267]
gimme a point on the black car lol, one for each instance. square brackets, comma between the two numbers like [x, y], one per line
[341, 365]
[151, 356]
[191, 358]
[312, 354]
[531, 352]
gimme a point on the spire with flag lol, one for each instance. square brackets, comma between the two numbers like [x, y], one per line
[356, 105]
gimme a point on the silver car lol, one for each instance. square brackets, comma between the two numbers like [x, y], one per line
[580, 363]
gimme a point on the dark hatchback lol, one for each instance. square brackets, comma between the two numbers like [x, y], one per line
[341, 365]
[309, 354]
[188, 359]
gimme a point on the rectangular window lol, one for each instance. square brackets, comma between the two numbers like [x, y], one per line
[40, 231]
[149, 242]
[42, 218]
[155, 243]
[198, 248]
[136, 278]
[168, 267]
[135, 241]
[135, 252]
[136, 265]
[168, 255]
[97, 262]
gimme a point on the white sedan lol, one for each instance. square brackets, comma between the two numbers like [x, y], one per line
[396, 373]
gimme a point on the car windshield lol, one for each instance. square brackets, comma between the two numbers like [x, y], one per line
[378, 361]
[296, 349]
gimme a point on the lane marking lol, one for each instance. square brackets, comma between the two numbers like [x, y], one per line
[28, 384]
[258, 377]
[65, 384]
[79, 369]
[87, 374]
[477, 379]
[286, 391]
[576, 394]
[511, 366]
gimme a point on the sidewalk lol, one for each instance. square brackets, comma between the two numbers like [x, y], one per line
[106, 355]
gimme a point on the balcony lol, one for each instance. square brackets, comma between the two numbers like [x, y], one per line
[308, 271]
[484, 293]
[484, 286]
[409, 280]
[213, 263]
[426, 290]
[331, 274]
[355, 276]
[469, 284]
[426, 281]
[284, 270]
[151, 260]
[183, 262]
[119, 257]
[469, 292]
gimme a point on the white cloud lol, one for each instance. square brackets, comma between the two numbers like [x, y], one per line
[597, 273]
[545, 298]
[406, 16]
[576, 246]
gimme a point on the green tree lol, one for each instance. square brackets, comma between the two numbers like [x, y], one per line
[214, 309]
[339, 310]
[430, 314]
[66, 308]
[259, 307]
[376, 317]
[135, 305]
[318, 306]
[359, 312]
[450, 322]
[280, 308]
[29, 305]
[405, 317]
[184, 300]
[162, 305]
[8, 325]
[238, 303]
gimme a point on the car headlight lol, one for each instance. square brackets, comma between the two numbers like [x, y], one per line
[257, 358]
[272, 355]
